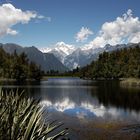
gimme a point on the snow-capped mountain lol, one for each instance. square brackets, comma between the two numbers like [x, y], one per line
[80, 57]
[60, 50]
[73, 57]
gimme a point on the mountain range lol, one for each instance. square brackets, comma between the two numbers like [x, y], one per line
[47, 61]
[73, 57]
[62, 57]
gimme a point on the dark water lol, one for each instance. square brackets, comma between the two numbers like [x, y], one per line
[85, 99]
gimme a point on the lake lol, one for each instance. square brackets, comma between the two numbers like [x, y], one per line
[80, 103]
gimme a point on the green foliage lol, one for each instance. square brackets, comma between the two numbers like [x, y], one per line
[18, 67]
[21, 119]
[122, 63]
[34, 71]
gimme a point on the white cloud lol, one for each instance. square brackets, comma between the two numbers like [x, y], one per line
[135, 38]
[11, 32]
[49, 19]
[124, 29]
[40, 17]
[10, 16]
[43, 17]
[83, 34]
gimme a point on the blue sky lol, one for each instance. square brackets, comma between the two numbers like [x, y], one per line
[64, 19]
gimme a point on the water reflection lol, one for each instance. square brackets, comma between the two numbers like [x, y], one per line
[86, 99]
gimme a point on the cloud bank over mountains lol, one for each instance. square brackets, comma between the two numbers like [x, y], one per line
[10, 16]
[124, 29]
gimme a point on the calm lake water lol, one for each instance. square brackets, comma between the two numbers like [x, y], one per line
[85, 100]
[86, 107]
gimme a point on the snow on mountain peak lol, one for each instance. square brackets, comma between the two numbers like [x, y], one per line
[45, 50]
[60, 47]
[61, 50]
[72, 57]
[66, 48]
[60, 43]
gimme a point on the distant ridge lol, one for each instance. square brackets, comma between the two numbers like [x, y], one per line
[73, 57]
[58, 60]
[47, 61]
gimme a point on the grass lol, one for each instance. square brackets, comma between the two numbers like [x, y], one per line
[130, 82]
[22, 119]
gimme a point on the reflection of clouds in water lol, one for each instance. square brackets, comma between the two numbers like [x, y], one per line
[60, 105]
[97, 110]
[136, 115]
[81, 115]
[86, 109]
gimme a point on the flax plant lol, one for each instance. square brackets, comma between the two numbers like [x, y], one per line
[21, 118]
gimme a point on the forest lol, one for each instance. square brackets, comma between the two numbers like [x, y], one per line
[123, 63]
[18, 67]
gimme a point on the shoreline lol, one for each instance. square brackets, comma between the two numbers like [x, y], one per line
[14, 80]
[47, 77]
[132, 82]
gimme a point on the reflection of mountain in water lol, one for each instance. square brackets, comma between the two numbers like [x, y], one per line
[87, 99]
[90, 99]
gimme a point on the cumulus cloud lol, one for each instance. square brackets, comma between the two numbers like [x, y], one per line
[10, 16]
[124, 29]
[83, 34]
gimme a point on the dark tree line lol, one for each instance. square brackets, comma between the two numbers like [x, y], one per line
[14, 66]
[122, 63]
